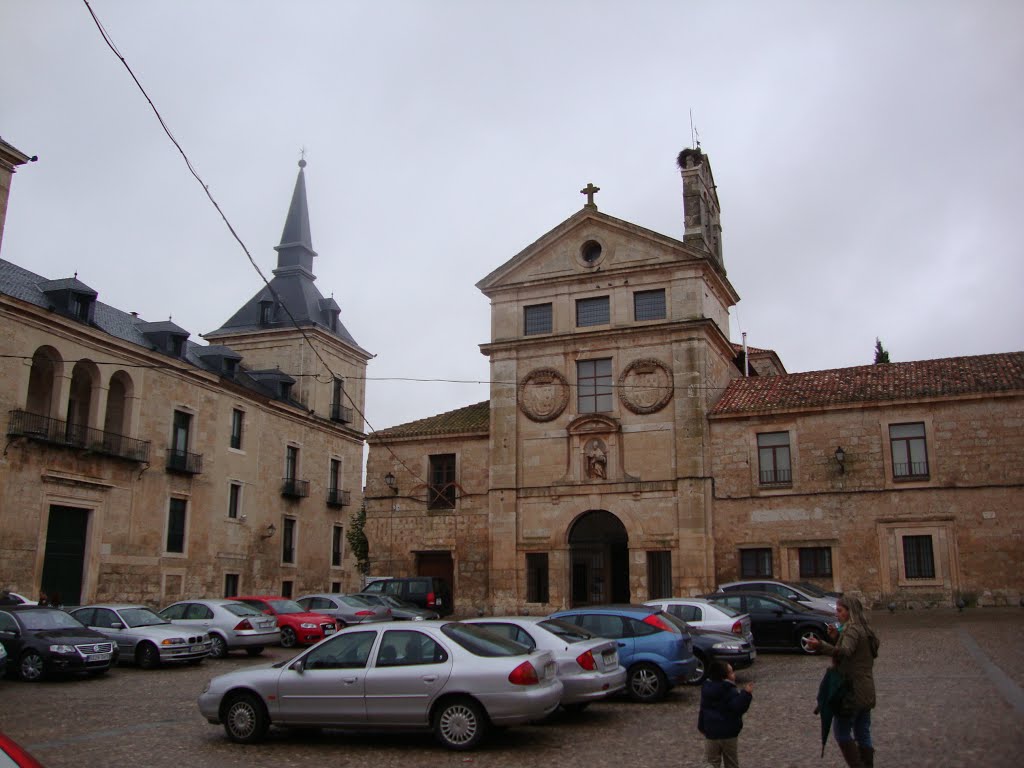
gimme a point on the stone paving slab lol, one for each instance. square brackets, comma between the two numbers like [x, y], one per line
[949, 689]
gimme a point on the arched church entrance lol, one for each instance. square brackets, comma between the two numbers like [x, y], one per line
[599, 559]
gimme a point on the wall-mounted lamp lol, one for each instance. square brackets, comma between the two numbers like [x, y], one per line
[270, 531]
[841, 459]
[389, 481]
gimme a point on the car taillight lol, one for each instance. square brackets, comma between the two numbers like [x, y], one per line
[430, 599]
[243, 624]
[524, 674]
[737, 628]
[586, 660]
[656, 621]
[364, 613]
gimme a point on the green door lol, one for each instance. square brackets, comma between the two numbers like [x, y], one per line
[65, 554]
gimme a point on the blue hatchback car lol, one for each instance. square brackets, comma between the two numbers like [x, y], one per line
[655, 651]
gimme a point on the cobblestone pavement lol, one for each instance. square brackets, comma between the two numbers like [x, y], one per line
[949, 688]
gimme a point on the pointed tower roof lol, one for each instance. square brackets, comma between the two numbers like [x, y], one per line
[291, 293]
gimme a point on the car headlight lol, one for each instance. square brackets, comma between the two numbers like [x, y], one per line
[62, 649]
[417, 618]
[307, 625]
[173, 641]
[727, 647]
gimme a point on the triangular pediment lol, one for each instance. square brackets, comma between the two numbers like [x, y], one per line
[588, 242]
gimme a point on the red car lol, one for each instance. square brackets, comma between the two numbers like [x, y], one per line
[15, 754]
[298, 626]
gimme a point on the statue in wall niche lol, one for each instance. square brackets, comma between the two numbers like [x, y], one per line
[597, 460]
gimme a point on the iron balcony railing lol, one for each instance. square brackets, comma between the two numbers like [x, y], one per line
[338, 498]
[56, 432]
[184, 462]
[295, 489]
[341, 413]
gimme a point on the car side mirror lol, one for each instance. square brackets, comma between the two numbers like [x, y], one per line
[299, 666]
[116, 625]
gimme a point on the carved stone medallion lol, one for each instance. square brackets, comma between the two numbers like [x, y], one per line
[645, 386]
[543, 394]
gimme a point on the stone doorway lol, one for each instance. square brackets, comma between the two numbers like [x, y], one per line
[599, 560]
[64, 561]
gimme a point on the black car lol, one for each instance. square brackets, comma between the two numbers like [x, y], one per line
[710, 645]
[400, 610]
[428, 592]
[43, 641]
[775, 621]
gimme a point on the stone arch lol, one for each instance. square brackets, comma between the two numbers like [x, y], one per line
[44, 382]
[120, 393]
[83, 399]
[598, 559]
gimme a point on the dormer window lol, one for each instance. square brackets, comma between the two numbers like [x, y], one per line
[286, 390]
[334, 321]
[82, 304]
[175, 345]
[265, 312]
[230, 366]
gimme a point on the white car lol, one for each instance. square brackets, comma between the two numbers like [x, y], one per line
[588, 666]
[803, 592]
[13, 598]
[142, 636]
[702, 613]
[229, 623]
[455, 679]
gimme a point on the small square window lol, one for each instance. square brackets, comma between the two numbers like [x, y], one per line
[649, 305]
[755, 563]
[593, 311]
[537, 319]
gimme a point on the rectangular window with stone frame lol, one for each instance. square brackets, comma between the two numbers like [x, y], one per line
[593, 311]
[230, 584]
[815, 562]
[441, 490]
[659, 574]
[909, 451]
[337, 538]
[237, 419]
[755, 563]
[288, 541]
[918, 557]
[773, 459]
[594, 385]
[536, 577]
[649, 305]
[537, 319]
[176, 512]
[234, 500]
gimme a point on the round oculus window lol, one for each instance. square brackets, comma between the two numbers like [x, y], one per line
[590, 251]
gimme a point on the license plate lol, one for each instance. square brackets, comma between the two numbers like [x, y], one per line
[611, 658]
[439, 601]
[329, 631]
[98, 657]
[198, 648]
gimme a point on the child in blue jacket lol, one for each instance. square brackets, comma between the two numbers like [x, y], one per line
[722, 705]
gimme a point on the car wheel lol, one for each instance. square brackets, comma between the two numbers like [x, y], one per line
[288, 638]
[700, 672]
[218, 647]
[31, 669]
[255, 650]
[245, 718]
[806, 635]
[646, 683]
[147, 656]
[459, 724]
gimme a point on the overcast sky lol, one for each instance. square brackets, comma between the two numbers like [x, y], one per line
[868, 157]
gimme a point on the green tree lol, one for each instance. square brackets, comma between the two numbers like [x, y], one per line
[357, 542]
[881, 353]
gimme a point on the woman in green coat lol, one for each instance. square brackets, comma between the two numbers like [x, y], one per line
[854, 648]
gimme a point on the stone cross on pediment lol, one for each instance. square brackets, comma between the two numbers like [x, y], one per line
[590, 190]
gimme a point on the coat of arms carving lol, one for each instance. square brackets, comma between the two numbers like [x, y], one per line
[645, 386]
[543, 394]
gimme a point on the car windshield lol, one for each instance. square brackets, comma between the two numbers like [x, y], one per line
[48, 619]
[482, 642]
[241, 609]
[286, 606]
[141, 617]
[570, 633]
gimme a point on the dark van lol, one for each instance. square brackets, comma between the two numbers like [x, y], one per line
[427, 592]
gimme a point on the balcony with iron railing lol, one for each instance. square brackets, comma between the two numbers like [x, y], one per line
[35, 426]
[294, 489]
[341, 413]
[776, 477]
[338, 498]
[184, 462]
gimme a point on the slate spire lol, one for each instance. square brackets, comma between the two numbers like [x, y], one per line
[296, 248]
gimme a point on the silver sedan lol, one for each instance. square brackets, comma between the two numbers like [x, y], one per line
[445, 676]
[345, 609]
[704, 614]
[141, 635]
[588, 666]
[231, 624]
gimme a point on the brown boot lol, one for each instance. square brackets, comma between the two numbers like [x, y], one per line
[851, 753]
[867, 756]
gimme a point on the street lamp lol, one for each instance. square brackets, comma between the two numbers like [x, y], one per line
[389, 481]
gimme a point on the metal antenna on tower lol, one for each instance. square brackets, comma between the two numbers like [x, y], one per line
[694, 134]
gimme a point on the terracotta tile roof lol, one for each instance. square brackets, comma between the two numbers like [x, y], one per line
[471, 418]
[947, 377]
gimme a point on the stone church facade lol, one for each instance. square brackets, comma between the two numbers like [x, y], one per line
[624, 455]
[139, 465]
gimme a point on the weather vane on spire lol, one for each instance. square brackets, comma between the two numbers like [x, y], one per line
[302, 157]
